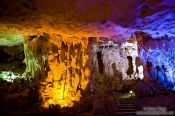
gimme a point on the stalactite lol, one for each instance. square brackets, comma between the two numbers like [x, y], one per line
[68, 72]
[35, 50]
[117, 60]
[157, 58]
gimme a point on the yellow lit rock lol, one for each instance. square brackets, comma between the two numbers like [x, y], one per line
[68, 74]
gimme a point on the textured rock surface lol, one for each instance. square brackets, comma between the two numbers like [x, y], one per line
[62, 64]
[115, 60]
[88, 17]
[11, 58]
[18, 95]
[68, 73]
[36, 50]
[156, 18]
[157, 58]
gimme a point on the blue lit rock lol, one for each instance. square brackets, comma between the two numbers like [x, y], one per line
[158, 58]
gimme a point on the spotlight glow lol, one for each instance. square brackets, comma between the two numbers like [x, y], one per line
[131, 92]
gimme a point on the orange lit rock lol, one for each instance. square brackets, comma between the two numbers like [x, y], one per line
[68, 74]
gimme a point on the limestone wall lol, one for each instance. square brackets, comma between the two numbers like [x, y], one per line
[117, 60]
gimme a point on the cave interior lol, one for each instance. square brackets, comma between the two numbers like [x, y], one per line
[87, 58]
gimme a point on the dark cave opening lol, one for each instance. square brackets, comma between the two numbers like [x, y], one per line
[12, 59]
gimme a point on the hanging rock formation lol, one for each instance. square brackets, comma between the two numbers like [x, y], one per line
[36, 50]
[68, 73]
[157, 58]
[116, 60]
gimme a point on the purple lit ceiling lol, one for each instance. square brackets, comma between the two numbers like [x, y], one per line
[155, 17]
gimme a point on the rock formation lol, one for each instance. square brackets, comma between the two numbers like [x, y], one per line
[116, 60]
[67, 47]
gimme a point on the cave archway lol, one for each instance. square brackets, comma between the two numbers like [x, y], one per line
[12, 63]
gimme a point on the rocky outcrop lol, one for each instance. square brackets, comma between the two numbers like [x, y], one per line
[18, 95]
[157, 58]
[68, 73]
[156, 18]
[116, 60]
[36, 50]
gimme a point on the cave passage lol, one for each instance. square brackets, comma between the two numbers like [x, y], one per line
[87, 57]
[12, 59]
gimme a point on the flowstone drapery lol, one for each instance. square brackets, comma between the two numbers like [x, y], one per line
[68, 74]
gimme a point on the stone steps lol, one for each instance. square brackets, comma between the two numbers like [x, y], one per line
[126, 113]
[126, 107]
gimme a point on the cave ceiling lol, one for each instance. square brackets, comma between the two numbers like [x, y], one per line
[99, 18]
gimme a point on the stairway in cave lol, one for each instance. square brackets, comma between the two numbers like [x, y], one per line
[126, 107]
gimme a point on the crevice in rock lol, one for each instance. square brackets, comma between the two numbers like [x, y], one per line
[100, 61]
[130, 70]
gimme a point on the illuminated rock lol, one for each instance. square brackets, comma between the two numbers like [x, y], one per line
[69, 73]
[58, 62]
[112, 60]
[9, 76]
[11, 38]
[157, 57]
[36, 50]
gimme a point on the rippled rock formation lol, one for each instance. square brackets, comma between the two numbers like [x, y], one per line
[68, 72]
[157, 57]
[115, 60]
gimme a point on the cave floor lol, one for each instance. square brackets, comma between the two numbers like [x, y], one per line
[107, 103]
[125, 106]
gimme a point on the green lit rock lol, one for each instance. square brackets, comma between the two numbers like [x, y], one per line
[10, 39]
